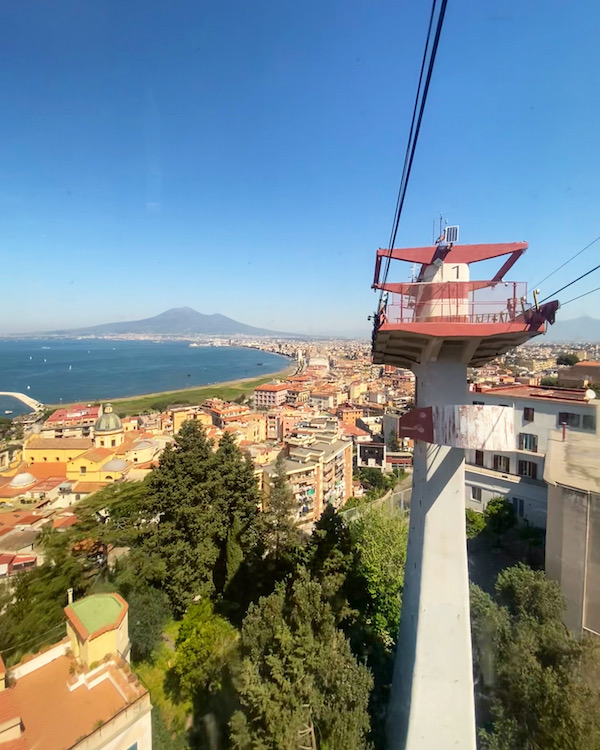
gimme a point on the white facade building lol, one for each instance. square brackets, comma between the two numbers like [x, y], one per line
[518, 475]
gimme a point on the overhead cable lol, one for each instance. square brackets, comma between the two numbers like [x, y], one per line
[566, 286]
[556, 270]
[420, 101]
[32, 640]
[585, 294]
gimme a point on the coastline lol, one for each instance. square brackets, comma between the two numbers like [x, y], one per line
[227, 390]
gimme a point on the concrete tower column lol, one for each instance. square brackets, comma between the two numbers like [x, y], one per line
[432, 701]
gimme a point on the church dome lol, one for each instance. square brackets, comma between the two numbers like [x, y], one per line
[108, 422]
[115, 464]
[22, 480]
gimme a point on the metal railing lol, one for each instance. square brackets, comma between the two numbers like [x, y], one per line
[456, 302]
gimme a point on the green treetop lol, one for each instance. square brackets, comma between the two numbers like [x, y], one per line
[298, 675]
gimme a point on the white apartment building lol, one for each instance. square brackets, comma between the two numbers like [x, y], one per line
[519, 474]
[269, 395]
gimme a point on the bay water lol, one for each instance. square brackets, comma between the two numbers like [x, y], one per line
[85, 370]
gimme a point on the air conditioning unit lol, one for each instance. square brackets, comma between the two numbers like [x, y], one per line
[451, 235]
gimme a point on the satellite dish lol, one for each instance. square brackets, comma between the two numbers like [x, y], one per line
[589, 395]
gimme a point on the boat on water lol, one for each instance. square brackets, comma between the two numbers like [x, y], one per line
[259, 364]
[8, 411]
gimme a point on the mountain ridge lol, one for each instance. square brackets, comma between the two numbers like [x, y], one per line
[581, 329]
[179, 320]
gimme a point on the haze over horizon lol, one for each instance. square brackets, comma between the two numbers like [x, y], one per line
[245, 159]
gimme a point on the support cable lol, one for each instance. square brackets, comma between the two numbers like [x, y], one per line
[566, 286]
[420, 101]
[556, 270]
[585, 294]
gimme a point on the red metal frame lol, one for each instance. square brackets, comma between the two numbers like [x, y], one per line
[451, 254]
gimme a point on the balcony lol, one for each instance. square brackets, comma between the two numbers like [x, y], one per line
[473, 302]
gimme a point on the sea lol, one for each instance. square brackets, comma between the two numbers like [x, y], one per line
[65, 371]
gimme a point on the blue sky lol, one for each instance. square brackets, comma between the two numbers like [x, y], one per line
[244, 157]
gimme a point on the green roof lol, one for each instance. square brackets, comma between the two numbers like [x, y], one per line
[97, 611]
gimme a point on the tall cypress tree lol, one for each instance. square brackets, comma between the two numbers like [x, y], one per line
[280, 529]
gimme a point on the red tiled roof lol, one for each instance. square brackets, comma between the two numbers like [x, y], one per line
[8, 707]
[96, 455]
[47, 470]
[18, 744]
[63, 522]
[350, 429]
[75, 413]
[269, 387]
[86, 488]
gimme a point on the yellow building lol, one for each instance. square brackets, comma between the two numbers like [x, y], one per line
[97, 625]
[97, 465]
[181, 414]
[54, 450]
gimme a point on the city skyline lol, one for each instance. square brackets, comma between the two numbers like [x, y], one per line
[224, 157]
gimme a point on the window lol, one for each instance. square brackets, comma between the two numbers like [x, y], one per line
[476, 494]
[518, 505]
[528, 442]
[102, 443]
[589, 422]
[58, 458]
[571, 420]
[527, 469]
[82, 469]
[45, 458]
[502, 463]
[113, 443]
[478, 458]
[528, 412]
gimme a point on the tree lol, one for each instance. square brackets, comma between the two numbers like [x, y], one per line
[372, 477]
[185, 501]
[551, 381]
[205, 645]
[280, 531]
[392, 441]
[534, 677]
[475, 523]
[380, 539]
[567, 359]
[236, 505]
[500, 516]
[297, 674]
[33, 613]
[148, 611]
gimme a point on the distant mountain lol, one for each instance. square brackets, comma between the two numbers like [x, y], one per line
[182, 321]
[576, 329]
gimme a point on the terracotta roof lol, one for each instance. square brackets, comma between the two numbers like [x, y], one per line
[55, 717]
[75, 413]
[350, 429]
[86, 488]
[47, 470]
[19, 744]
[96, 455]
[63, 522]
[45, 485]
[587, 363]
[8, 707]
[37, 444]
[272, 387]
[18, 518]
